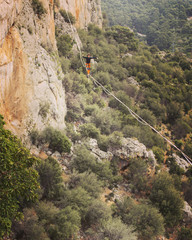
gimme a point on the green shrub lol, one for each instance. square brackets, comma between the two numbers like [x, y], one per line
[68, 17]
[83, 160]
[94, 30]
[64, 44]
[148, 116]
[115, 229]
[122, 96]
[137, 174]
[34, 136]
[89, 130]
[38, 8]
[65, 64]
[167, 199]
[68, 222]
[131, 131]
[159, 154]
[103, 142]
[97, 213]
[30, 227]
[50, 178]
[57, 140]
[89, 110]
[146, 219]
[78, 199]
[88, 181]
[106, 120]
[185, 233]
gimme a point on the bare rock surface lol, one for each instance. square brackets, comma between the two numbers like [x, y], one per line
[182, 163]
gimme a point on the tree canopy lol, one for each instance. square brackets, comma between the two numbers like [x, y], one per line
[18, 178]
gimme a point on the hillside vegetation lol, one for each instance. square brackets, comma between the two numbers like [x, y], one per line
[166, 24]
[79, 198]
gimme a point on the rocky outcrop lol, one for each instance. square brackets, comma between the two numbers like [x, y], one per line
[182, 163]
[130, 148]
[187, 212]
[85, 11]
[98, 153]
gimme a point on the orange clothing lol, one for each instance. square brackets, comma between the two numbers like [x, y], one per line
[88, 67]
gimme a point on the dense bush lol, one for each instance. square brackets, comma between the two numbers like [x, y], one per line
[159, 154]
[57, 141]
[167, 199]
[64, 44]
[146, 219]
[50, 178]
[18, 179]
[137, 174]
[185, 233]
[89, 130]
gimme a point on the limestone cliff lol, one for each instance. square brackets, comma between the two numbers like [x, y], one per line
[31, 93]
[85, 11]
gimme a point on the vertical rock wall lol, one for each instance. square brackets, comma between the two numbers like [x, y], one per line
[31, 96]
[85, 11]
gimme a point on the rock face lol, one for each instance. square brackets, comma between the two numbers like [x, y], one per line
[187, 212]
[131, 148]
[85, 11]
[31, 93]
[9, 11]
[181, 162]
[98, 153]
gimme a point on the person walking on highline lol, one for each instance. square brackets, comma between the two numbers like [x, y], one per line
[88, 63]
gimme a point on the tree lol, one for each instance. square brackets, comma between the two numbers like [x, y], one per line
[123, 35]
[30, 227]
[77, 199]
[185, 233]
[137, 174]
[50, 178]
[97, 213]
[89, 130]
[68, 221]
[167, 199]
[159, 154]
[64, 44]
[83, 160]
[57, 140]
[18, 178]
[146, 219]
[87, 180]
[106, 120]
[114, 229]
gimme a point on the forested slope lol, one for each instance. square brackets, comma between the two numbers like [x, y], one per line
[91, 187]
[166, 24]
